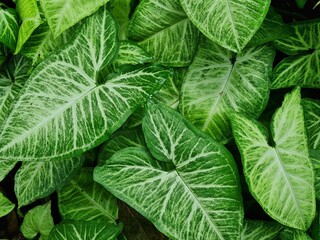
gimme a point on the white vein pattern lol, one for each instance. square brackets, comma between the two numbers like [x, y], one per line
[9, 27]
[281, 178]
[262, 230]
[163, 29]
[215, 85]
[230, 23]
[183, 203]
[68, 111]
[294, 234]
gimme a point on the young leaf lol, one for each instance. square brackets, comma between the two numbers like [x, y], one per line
[38, 220]
[163, 29]
[70, 109]
[294, 234]
[5, 205]
[262, 230]
[280, 178]
[84, 230]
[230, 23]
[120, 9]
[9, 28]
[218, 81]
[35, 180]
[84, 199]
[199, 198]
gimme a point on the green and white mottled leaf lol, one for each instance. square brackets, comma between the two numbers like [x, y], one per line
[6, 206]
[280, 178]
[301, 3]
[311, 109]
[197, 198]
[83, 199]
[230, 23]
[162, 28]
[35, 180]
[9, 28]
[120, 9]
[70, 109]
[294, 234]
[260, 230]
[62, 14]
[219, 81]
[85, 230]
[315, 158]
[38, 220]
[29, 13]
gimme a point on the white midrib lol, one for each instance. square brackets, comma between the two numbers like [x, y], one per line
[232, 24]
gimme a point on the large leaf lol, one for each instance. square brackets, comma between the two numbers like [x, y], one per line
[9, 28]
[84, 199]
[260, 230]
[70, 107]
[62, 14]
[38, 220]
[218, 81]
[301, 69]
[5, 205]
[197, 198]
[164, 30]
[35, 180]
[85, 230]
[281, 177]
[230, 23]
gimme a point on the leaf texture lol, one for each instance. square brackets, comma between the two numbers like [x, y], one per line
[262, 230]
[294, 234]
[311, 109]
[6, 206]
[9, 28]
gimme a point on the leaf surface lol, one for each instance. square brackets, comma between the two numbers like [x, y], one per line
[262, 230]
[9, 28]
[294, 234]
[6, 206]
[311, 109]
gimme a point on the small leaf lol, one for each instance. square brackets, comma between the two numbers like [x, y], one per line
[262, 230]
[9, 28]
[120, 9]
[5, 205]
[301, 3]
[5, 168]
[38, 220]
[311, 109]
[294, 234]
[84, 199]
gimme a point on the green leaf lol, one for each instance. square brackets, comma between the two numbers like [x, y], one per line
[9, 27]
[280, 178]
[5, 205]
[38, 220]
[35, 180]
[163, 29]
[198, 198]
[5, 168]
[262, 230]
[311, 109]
[121, 10]
[84, 199]
[294, 234]
[62, 14]
[85, 230]
[71, 110]
[301, 3]
[315, 158]
[30, 15]
[219, 81]
[230, 23]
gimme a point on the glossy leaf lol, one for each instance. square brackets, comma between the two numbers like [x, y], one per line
[197, 198]
[262, 230]
[294, 234]
[84, 199]
[6, 206]
[9, 28]
[218, 81]
[230, 23]
[280, 178]
[163, 29]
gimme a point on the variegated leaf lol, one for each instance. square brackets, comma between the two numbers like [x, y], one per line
[196, 198]
[311, 109]
[294, 234]
[280, 178]
[260, 230]
[219, 81]
[9, 28]
[6, 206]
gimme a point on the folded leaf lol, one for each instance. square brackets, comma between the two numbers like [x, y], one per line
[280, 178]
[197, 198]
[5, 205]
[262, 230]
[9, 28]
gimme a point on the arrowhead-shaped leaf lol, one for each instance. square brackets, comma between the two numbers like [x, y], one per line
[197, 198]
[5, 205]
[260, 230]
[280, 178]
[9, 28]
[218, 81]
[230, 23]
[71, 108]
[163, 29]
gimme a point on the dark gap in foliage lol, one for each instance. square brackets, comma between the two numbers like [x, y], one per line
[55, 209]
[8, 3]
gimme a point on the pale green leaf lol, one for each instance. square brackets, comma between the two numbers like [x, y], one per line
[315, 158]
[280, 178]
[9, 28]
[311, 109]
[163, 29]
[260, 230]
[230, 23]
[5, 168]
[294, 234]
[197, 198]
[120, 9]
[62, 14]
[219, 81]
[301, 3]
[84, 199]
[85, 230]
[38, 220]
[35, 180]
[5, 205]
[70, 109]
[30, 15]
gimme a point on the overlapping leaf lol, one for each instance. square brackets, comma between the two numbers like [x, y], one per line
[280, 178]
[70, 107]
[6, 206]
[230, 23]
[294, 234]
[121, 11]
[197, 198]
[218, 81]
[262, 230]
[163, 29]
[9, 28]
